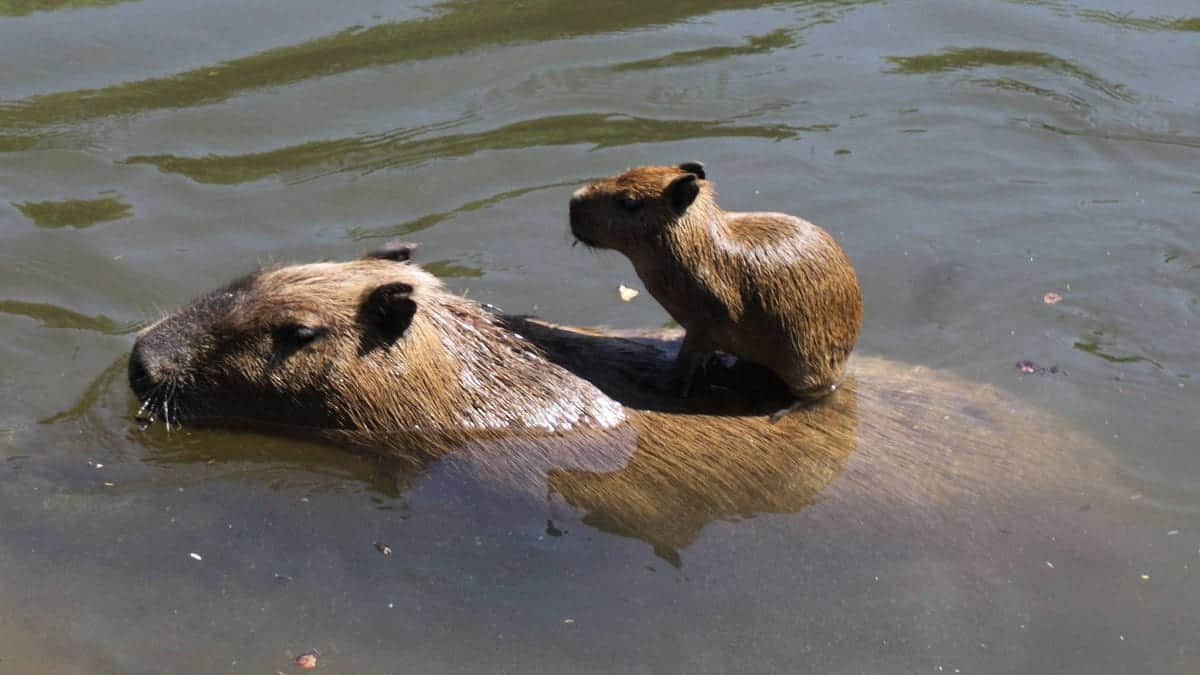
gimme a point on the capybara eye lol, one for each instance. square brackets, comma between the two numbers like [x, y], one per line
[296, 335]
[630, 203]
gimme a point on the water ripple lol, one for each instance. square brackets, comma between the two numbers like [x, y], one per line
[371, 153]
[963, 59]
[460, 26]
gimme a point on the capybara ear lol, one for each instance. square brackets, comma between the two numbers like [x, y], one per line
[397, 251]
[693, 167]
[683, 191]
[390, 309]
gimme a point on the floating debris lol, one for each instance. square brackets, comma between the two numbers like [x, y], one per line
[195, 556]
[1052, 298]
[627, 293]
[383, 548]
[307, 660]
[1030, 368]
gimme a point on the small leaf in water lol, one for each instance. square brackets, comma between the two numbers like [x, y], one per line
[1052, 298]
[307, 660]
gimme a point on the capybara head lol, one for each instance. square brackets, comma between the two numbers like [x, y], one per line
[376, 344]
[632, 208]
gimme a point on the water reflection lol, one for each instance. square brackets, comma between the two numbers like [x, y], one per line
[958, 59]
[103, 384]
[1011, 84]
[661, 480]
[686, 473]
[53, 316]
[24, 7]
[457, 27]
[897, 449]
[428, 221]
[1152, 23]
[372, 153]
[1100, 133]
[1127, 20]
[755, 44]
[77, 213]
[1093, 347]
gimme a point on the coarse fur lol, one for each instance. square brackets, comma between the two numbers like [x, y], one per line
[372, 345]
[530, 406]
[767, 287]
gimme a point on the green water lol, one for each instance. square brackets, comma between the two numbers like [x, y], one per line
[971, 156]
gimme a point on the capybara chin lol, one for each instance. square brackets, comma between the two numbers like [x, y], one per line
[769, 288]
[376, 344]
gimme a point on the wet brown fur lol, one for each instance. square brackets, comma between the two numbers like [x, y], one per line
[897, 450]
[456, 373]
[767, 287]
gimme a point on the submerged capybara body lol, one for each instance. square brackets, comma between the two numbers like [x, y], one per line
[525, 405]
[767, 287]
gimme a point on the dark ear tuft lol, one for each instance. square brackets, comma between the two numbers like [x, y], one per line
[683, 191]
[693, 167]
[397, 251]
[390, 309]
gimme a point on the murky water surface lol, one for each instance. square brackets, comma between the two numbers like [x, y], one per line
[971, 157]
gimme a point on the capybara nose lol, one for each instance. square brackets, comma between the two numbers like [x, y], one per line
[141, 380]
[576, 210]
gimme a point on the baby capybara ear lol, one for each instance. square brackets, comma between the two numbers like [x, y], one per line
[693, 167]
[682, 191]
[389, 309]
[396, 251]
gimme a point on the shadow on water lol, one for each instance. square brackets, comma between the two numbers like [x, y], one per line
[372, 153]
[457, 27]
